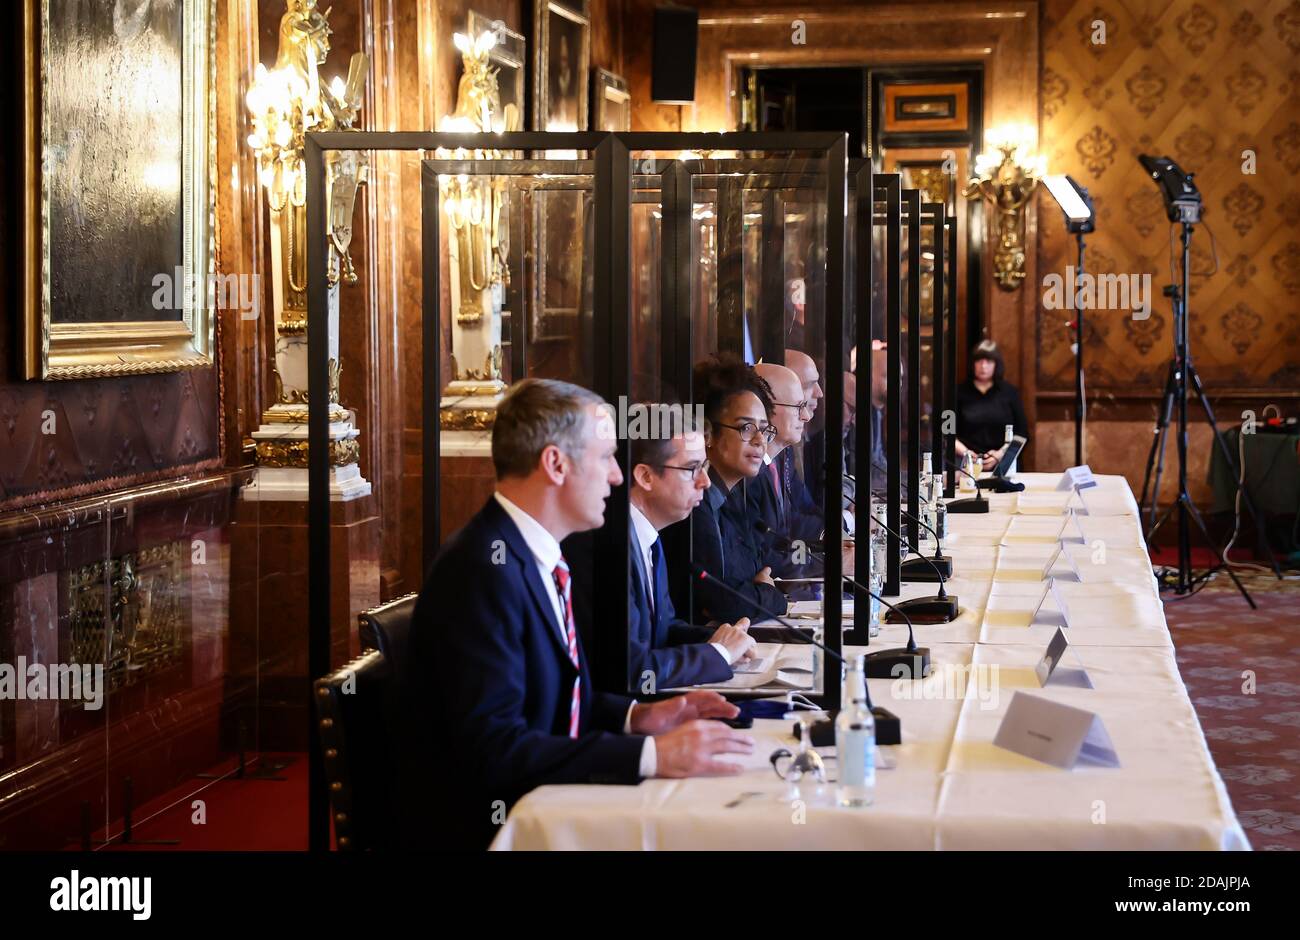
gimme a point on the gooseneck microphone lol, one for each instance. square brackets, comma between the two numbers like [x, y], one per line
[914, 660]
[943, 592]
[888, 727]
[976, 504]
[941, 608]
[911, 571]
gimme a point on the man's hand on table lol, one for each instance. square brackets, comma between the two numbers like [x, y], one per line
[661, 717]
[736, 639]
[688, 750]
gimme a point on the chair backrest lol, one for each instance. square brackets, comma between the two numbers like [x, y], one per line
[387, 628]
[352, 709]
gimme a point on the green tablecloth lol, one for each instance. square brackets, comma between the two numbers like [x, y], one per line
[1272, 472]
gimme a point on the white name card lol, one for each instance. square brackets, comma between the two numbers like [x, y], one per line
[1047, 670]
[1054, 733]
[1076, 478]
[1059, 617]
[1072, 531]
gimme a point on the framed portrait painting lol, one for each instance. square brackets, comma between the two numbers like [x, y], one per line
[561, 57]
[611, 102]
[118, 180]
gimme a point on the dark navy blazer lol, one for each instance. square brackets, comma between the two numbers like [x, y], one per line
[674, 651]
[492, 687]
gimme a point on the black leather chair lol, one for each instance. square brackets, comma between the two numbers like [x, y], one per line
[360, 712]
[352, 708]
[387, 628]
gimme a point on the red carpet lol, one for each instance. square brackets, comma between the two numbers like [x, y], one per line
[247, 815]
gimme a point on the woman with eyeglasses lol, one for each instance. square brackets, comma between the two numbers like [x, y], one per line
[720, 534]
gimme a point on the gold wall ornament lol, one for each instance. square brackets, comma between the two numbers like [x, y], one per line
[466, 419]
[293, 453]
[286, 102]
[146, 620]
[474, 204]
[1006, 182]
[298, 396]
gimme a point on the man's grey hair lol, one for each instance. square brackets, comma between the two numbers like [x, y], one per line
[533, 415]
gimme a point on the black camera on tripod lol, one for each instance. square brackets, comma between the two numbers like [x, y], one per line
[1182, 198]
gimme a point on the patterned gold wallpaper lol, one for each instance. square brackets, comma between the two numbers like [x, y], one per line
[1201, 82]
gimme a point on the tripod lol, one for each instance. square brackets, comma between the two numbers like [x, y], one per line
[1181, 371]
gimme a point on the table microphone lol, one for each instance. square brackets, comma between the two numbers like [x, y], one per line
[884, 663]
[939, 608]
[941, 605]
[942, 562]
[977, 503]
[888, 727]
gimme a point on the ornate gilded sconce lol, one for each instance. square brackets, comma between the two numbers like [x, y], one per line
[284, 104]
[1006, 178]
[478, 244]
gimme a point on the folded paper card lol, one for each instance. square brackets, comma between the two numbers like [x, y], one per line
[1048, 668]
[1054, 733]
[1076, 478]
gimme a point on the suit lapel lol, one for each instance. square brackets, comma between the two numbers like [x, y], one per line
[514, 540]
[643, 582]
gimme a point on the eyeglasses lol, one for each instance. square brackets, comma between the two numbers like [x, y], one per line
[803, 406]
[751, 432]
[697, 471]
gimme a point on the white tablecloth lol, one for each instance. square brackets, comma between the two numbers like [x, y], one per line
[950, 787]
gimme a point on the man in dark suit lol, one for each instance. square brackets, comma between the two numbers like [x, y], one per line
[669, 478]
[777, 495]
[502, 693]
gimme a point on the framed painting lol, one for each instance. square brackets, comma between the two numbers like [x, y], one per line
[561, 61]
[118, 177]
[612, 103]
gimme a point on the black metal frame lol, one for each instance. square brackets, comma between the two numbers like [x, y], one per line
[612, 373]
[933, 212]
[950, 403]
[890, 185]
[912, 212]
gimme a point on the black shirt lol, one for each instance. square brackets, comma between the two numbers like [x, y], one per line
[982, 417]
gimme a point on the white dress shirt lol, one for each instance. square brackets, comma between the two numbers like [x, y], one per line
[646, 536]
[546, 552]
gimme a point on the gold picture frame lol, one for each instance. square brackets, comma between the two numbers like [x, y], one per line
[612, 107]
[66, 223]
[566, 26]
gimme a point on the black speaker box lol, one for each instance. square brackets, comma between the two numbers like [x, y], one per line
[676, 41]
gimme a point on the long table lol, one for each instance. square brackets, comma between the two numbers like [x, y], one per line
[948, 786]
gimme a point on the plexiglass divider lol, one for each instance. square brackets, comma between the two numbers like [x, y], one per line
[642, 211]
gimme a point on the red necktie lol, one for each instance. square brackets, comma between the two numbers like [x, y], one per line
[776, 481]
[561, 574]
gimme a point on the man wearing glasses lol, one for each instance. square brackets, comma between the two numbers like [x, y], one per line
[778, 496]
[669, 478]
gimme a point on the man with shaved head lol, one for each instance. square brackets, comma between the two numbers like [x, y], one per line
[778, 496]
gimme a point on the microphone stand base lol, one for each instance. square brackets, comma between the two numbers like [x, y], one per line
[925, 610]
[898, 664]
[918, 569]
[889, 730]
[967, 504]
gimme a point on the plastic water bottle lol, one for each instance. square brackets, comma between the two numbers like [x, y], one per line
[938, 515]
[855, 741]
[925, 495]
